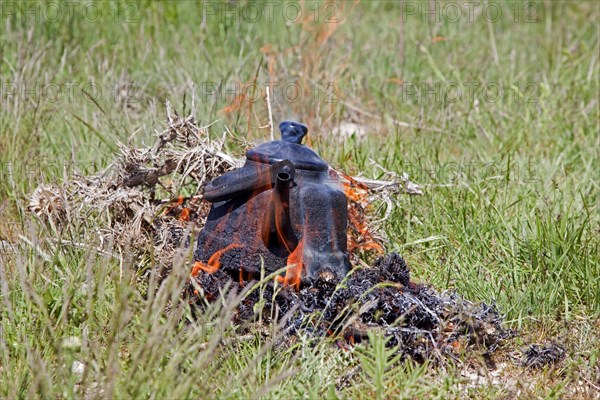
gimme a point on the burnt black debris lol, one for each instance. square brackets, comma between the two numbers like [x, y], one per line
[538, 356]
[394, 268]
[422, 322]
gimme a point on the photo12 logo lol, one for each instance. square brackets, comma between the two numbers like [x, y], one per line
[290, 92]
[471, 11]
[449, 92]
[29, 12]
[36, 170]
[466, 172]
[69, 91]
[290, 12]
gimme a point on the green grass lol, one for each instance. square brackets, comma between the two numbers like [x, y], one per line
[510, 211]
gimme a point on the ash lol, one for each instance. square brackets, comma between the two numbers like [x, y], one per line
[537, 356]
[423, 323]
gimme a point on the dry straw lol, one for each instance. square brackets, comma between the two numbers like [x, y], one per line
[139, 201]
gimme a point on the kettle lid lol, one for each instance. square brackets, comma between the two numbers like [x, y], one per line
[290, 148]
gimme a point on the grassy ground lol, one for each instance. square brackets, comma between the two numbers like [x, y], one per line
[502, 108]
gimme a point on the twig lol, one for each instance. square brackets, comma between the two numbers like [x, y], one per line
[420, 303]
[377, 185]
[588, 381]
[84, 246]
[270, 114]
[124, 194]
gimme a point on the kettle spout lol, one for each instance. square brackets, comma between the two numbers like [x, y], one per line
[276, 227]
[238, 182]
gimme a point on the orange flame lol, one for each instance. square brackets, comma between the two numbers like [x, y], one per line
[174, 204]
[359, 235]
[278, 216]
[294, 267]
[354, 190]
[185, 215]
[214, 262]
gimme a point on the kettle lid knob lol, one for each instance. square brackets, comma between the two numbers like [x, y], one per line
[292, 132]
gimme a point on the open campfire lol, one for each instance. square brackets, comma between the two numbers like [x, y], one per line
[286, 213]
[282, 219]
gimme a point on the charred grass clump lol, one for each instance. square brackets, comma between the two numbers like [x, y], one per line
[417, 321]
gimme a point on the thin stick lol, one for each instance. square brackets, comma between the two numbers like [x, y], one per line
[270, 114]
